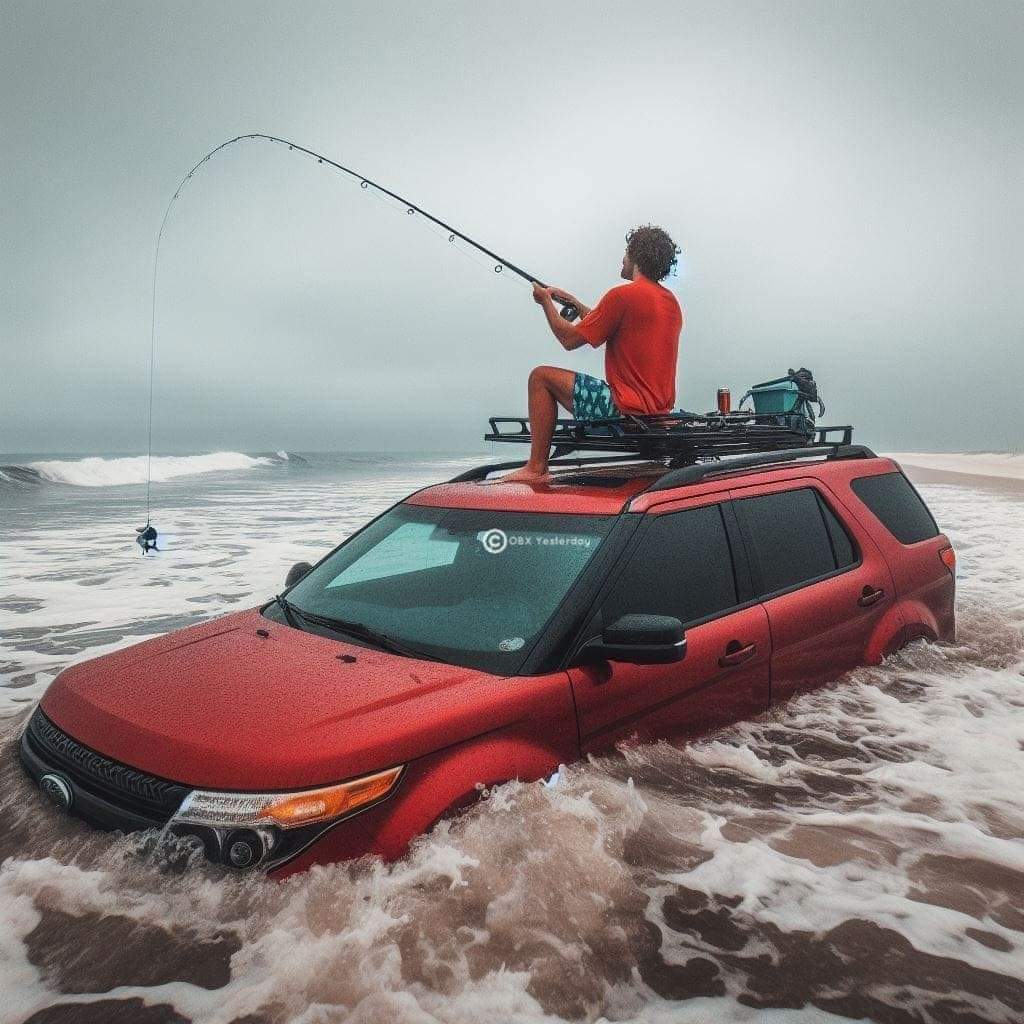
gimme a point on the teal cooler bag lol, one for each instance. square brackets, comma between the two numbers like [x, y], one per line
[790, 400]
[776, 396]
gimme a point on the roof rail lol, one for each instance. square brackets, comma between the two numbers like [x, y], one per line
[482, 472]
[820, 453]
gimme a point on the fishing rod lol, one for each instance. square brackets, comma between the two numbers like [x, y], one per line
[147, 535]
[567, 309]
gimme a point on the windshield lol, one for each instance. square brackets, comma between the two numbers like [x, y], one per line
[470, 587]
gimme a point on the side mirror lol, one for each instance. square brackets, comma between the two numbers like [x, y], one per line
[295, 573]
[638, 640]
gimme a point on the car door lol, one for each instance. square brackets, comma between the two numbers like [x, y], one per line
[825, 586]
[681, 563]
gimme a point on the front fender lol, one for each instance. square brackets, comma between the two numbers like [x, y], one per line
[436, 784]
[452, 779]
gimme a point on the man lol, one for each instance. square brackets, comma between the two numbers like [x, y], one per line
[639, 325]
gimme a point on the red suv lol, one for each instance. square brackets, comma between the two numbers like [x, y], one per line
[480, 631]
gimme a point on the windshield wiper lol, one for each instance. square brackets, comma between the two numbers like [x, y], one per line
[288, 610]
[362, 632]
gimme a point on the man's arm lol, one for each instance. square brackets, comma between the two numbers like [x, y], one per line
[568, 337]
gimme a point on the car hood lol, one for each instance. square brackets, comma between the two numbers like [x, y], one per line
[223, 707]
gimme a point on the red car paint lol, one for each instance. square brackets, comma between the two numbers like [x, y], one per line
[550, 496]
[245, 704]
[226, 708]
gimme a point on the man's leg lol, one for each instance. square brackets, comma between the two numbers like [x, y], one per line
[549, 387]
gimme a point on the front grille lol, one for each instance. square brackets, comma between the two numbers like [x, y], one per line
[115, 783]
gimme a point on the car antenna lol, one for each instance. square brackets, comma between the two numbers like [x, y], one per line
[148, 535]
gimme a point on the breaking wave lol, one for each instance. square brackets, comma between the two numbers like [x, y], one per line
[95, 471]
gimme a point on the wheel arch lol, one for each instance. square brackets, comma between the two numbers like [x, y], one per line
[434, 786]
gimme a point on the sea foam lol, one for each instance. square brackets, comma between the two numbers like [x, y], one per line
[855, 853]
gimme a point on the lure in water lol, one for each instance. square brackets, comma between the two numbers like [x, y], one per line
[146, 539]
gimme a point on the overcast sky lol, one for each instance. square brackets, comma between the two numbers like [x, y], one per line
[845, 180]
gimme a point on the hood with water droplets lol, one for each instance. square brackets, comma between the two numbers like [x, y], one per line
[222, 706]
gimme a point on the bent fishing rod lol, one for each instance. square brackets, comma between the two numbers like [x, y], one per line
[567, 311]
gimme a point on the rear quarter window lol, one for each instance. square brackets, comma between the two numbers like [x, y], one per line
[897, 506]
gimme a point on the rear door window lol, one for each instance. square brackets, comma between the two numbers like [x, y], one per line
[682, 567]
[895, 503]
[788, 538]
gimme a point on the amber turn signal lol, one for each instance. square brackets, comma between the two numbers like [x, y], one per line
[295, 809]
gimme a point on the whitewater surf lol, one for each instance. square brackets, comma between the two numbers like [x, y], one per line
[120, 471]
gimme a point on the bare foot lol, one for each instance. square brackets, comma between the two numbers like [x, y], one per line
[526, 475]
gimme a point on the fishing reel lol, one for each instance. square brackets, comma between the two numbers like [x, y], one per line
[568, 311]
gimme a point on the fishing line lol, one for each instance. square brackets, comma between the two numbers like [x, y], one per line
[147, 534]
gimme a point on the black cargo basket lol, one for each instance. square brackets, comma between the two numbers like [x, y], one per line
[677, 438]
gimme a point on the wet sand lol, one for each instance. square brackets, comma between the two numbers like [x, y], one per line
[1011, 487]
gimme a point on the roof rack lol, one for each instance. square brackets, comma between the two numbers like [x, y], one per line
[695, 472]
[689, 446]
[681, 438]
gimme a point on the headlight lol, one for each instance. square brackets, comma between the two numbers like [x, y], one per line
[285, 810]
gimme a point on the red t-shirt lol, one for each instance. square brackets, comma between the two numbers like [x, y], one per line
[641, 322]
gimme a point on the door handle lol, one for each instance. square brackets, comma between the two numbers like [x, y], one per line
[736, 653]
[870, 596]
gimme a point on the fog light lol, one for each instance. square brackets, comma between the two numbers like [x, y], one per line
[244, 848]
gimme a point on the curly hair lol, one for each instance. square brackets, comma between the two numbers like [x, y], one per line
[652, 250]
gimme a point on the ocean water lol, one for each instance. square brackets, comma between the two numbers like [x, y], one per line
[858, 853]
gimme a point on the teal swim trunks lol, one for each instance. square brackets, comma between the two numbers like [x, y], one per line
[592, 399]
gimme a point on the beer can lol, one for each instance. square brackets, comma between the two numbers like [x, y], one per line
[724, 401]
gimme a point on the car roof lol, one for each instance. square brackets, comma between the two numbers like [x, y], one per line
[593, 489]
[589, 490]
